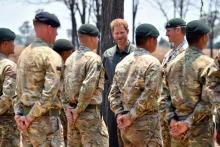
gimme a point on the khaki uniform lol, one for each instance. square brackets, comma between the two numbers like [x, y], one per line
[135, 90]
[38, 80]
[62, 112]
[188, 100]
[213, 89]
[9, 135]
[164, 92]
[83, 82]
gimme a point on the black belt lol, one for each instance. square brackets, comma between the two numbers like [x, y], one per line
[51, 112]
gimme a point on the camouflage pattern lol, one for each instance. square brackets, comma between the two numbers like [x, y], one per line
[45, 131]
[187, 100]
[165, 92]
[64, 124]
[62, 112]
[9, 135]
[38, 81]
[83, 82]
[213, 90]
[135, 89]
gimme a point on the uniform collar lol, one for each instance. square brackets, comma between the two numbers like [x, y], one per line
[84, 48]
[195, 49]
[40, 42]
[142, 50]
[3, 55]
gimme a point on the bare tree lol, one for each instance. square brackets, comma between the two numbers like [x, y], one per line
[180, 7]
[212, 19]
[83, 8]
[135, 4]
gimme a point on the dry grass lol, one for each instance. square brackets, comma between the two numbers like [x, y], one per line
[160, 53]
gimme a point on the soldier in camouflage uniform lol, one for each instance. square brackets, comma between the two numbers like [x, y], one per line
[9, 135]
[189, 111]
[38, 79]
[135, 91]
[65, 49]
[175, 30]
[213, 90]
[83, 84]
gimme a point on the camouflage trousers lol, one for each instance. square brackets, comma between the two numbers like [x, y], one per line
[144, 132]
[199, 135]
[45, 131]
[89, 130]
[165, 130]
[8, 132]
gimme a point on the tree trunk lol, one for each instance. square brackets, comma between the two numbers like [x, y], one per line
[117, 9]
[74, 27]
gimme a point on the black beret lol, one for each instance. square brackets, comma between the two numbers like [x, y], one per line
[175, 22]
[6, 34]
[62, 45]
[145, 30]
[196, 27]
[88, 29]
[47, 18]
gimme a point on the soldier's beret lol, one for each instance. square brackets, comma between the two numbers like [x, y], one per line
[6, 34]
[47, 18]
[146, 30]
[175, 22]
[88, 29]
[196, 27]
[63, 45]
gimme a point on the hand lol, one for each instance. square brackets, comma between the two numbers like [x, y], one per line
[123, 121]
[19, 122]
[179, 129]
[75, 115]
[118, 119]
[173, 123]
[71, 115]
[23, 122]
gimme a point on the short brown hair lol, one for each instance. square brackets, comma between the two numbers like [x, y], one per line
[119, 22]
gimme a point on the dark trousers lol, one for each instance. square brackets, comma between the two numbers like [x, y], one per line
[110, 120]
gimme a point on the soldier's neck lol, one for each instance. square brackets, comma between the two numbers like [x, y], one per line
[177, 43]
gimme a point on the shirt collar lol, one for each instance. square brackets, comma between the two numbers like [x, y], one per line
[125, 50]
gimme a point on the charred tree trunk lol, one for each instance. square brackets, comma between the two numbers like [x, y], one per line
[74, 27]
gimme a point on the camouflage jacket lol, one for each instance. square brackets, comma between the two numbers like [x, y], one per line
[213, 85]
[171, 55]
[83, 79]
[38, 78]
[7, 84]
[186, 79]
[136, 85]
